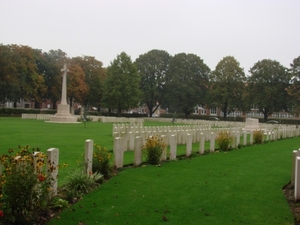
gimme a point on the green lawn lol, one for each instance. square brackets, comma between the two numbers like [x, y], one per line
[239, 187]
[68, 138]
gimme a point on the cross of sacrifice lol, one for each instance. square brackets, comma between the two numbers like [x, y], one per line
[64, 69]
[64, 85]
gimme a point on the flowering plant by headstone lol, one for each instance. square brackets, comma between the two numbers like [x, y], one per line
[258, 136]
[102, 161]
[153, 149]
[25, 185]
[223, 140]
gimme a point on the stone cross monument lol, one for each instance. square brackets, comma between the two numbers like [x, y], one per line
[64, 85]
[63, 114]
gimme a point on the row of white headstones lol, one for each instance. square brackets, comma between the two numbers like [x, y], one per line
[133, 138]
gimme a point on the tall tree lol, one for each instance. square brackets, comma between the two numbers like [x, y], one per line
[153, 68]
[54, 61]
[122, 84]
[187, 83]
[94, 78]
[77, 88]
[31, 83]
[8, 74]
[268, 85]
[294, 88]
[227, 85]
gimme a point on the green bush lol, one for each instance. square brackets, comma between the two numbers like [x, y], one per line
[19, 111]
[85, 119]
[153, 149]
[102, 161]
[59, 203]
[223, 140]
[79, 183]
[258, 136]
[25, 186]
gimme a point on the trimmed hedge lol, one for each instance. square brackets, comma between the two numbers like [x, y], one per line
[18, 111]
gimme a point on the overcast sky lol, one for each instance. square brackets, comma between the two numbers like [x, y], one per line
[249, 30]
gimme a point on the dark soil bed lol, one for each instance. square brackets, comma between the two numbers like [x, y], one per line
[294, 206]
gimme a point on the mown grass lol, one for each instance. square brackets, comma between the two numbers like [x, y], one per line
[238, 187]
[68, 138]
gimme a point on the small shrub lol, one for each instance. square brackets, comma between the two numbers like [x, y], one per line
[59, 203]
[224, 140]
[153, 149]
[84, 119]
[258, 136]
[79, 183]
[25, 186]
[102, 161]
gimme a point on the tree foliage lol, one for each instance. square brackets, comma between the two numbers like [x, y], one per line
[153, 67]
[227, 85]
[28, 84]
[156, 79]
[77, 88]
[268, 85]
[94, 78]
[187, 83]
[122, 84]
[32, 83]
[294, 88]
[49, 64]
[8, 74]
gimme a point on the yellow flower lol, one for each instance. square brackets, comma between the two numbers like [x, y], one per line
[40, 164]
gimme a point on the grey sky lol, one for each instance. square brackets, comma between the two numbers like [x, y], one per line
[249, 30]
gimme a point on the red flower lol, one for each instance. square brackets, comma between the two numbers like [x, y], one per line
[1, 213]
[41, 177]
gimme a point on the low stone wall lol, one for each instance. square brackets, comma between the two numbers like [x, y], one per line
[28, 116]
[102, 119]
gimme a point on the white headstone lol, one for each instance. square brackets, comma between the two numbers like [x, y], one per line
[245, 138]
[295, 154]
[251, 138]
[202, 143]
[238, 139]
[233, 139]
[88, 156]
[53, 155]
[189, 138]
[212, 142]
[131, 140]
[297, 179]
[118, 152]
[138, 150]
[164, 152]
[173, 147]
